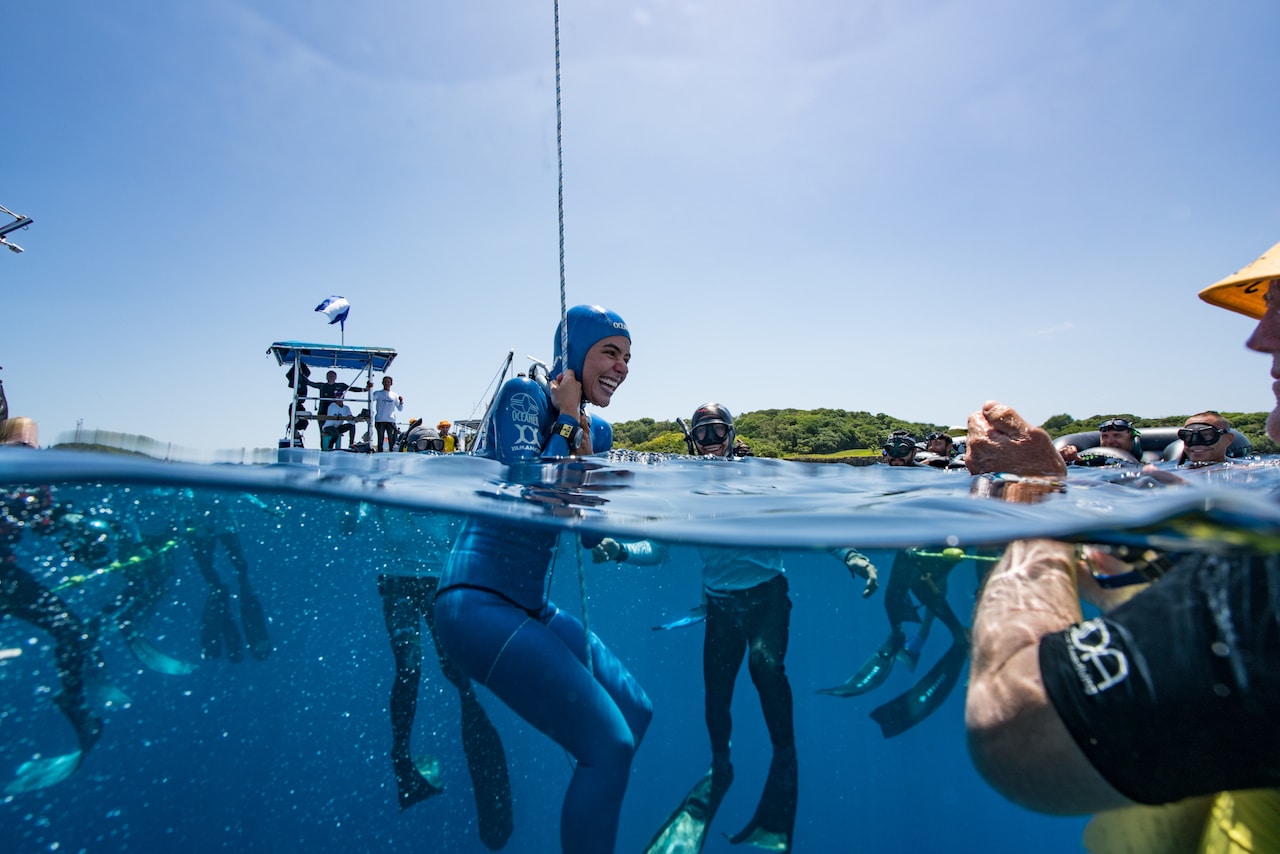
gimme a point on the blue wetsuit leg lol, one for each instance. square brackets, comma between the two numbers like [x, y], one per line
[536, 665]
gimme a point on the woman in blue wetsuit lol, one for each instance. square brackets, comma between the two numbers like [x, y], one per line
[493, 616]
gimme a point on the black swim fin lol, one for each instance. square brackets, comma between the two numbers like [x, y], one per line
[685, 831]
[217, 629]
[774, 822]
[873, 672]
[487, 763]
[254, 622]
[417, 779]
[902, 713]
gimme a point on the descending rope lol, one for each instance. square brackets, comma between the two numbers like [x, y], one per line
[582, 591]
[564, 324]
[564, 310]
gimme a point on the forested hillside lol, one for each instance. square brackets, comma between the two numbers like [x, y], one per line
[809, 432]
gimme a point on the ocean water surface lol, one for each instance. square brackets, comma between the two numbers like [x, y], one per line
[290, 751]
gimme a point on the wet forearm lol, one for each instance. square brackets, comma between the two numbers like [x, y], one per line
[1030, 593]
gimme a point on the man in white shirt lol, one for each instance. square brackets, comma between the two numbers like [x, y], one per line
[385, 407]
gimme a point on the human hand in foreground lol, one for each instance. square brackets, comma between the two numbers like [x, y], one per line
[1000, 440]
[860, 566]
[606, 550]
[1069, 453]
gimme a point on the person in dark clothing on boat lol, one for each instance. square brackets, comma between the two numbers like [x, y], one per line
[331, 390]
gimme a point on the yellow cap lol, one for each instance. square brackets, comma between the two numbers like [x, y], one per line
[1245, 290]
[443, 424]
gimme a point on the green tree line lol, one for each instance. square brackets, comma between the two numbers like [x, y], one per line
[798, 433]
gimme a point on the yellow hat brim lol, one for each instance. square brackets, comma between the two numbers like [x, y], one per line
[1245, 291]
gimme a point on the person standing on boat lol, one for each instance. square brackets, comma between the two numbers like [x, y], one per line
[450, 441]
[493, 614]
[385, 407]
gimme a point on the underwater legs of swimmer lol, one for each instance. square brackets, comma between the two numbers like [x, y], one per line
[898, 608]
[406, 601]
[536, 664]
[219, 632]
[146, 580]
[83, 684]
[928, 585]
[753, 623]
[760, 618]
[923, 575]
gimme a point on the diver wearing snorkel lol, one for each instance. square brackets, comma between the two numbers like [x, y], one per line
[493, 615]
[748, 614]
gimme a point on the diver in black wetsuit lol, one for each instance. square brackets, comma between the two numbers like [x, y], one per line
[922, 574]
[24, 597]
[748, 615]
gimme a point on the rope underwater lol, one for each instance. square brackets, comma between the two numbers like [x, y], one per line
[564, 310]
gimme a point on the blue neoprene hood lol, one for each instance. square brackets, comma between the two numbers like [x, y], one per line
[587, 325]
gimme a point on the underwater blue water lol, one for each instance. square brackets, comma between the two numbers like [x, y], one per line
[290, 753]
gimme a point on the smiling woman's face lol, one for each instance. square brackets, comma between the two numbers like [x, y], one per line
[604, 368]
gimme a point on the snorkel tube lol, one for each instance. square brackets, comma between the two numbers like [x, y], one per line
[688, 437]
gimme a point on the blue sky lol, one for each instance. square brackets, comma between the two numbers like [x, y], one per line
[906, 208]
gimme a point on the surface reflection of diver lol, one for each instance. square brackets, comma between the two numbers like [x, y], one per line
[921, 574]
[84, 685]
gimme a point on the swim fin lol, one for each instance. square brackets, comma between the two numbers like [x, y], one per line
[873, 672]
[487, 763]
[902, 713]
[254, 622]
[775, 819]
[696, 615]
[154, 659]
[42, 773]
[217, 628]
[46, 771]
[417, 779]
[685, 832]
[909, 655]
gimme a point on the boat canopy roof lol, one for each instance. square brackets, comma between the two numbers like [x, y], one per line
[333, 355]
